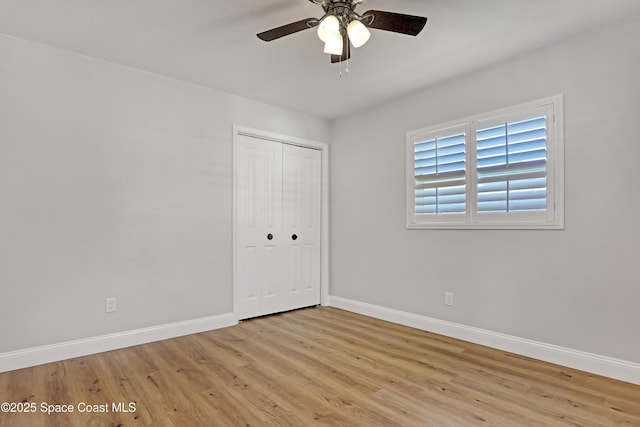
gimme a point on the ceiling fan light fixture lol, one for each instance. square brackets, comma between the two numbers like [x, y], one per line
[340, 21]
[334, 45]
[358, 33]
[328, 28]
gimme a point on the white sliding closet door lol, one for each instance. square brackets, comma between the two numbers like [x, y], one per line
[278, 196]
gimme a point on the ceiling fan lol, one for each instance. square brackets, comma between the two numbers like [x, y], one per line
[341, 24]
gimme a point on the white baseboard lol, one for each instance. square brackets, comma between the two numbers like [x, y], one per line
[67, 350]
[588, 362]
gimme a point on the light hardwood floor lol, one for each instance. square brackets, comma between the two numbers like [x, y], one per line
[318, 366]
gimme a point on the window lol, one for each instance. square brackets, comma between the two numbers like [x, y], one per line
[502, 169]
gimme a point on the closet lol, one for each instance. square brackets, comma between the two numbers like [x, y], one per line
[276, 226]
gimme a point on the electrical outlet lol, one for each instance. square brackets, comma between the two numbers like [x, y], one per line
[110, 305]
[448, 298]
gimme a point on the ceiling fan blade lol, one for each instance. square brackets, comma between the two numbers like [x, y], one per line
[285, 30]
[346, 52]
[396, 22]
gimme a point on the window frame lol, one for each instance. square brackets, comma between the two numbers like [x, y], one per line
[551, 219]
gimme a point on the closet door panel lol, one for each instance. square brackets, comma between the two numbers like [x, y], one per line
[258, 223]
[301, 219]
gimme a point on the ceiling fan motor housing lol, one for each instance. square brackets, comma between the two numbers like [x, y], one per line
[343, 10]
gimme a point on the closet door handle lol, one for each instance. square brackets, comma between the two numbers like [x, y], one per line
[269, 236]
[294, 237]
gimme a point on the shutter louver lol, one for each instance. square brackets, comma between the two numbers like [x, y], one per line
[512, 167]
[440, 175]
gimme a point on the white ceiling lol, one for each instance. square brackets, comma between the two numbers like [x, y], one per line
[213, 43]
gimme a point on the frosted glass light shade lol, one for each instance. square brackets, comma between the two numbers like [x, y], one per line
[328, 28]
[358, 33]
[334, 45]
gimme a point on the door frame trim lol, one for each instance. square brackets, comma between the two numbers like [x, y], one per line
[324, 214]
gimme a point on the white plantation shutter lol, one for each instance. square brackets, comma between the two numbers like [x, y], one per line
[440, 175]
[512, 166]
[502, 169]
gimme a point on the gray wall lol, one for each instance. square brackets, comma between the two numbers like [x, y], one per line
[114, 182]
[578, 288]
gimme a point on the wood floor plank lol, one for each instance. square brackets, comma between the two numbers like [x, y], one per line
[319, 366]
